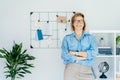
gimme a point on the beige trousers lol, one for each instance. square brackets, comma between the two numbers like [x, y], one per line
[77, 72]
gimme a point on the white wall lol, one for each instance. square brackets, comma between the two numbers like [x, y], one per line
[15, 25]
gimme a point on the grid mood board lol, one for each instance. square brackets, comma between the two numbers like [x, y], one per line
[47, 29]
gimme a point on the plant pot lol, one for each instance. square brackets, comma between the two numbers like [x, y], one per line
[117, 51]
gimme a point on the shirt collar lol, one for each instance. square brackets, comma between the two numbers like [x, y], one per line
[83, 34]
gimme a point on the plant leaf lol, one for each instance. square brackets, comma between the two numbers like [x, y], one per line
[8, 76]
[2, 51]
[27, 71]
[24, 51]
[1, 56]
[21, 75]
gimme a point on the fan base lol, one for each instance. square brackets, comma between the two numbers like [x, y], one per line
[103, 76]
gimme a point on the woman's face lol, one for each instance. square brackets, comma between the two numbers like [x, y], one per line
[78, 23]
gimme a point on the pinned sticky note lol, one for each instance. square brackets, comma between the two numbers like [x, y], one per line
[61, 19]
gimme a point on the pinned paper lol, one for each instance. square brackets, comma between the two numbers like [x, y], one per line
[61, 19]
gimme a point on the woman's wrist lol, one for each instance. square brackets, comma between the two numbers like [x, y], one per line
[76, 53]
[72, 52]
[80, 54]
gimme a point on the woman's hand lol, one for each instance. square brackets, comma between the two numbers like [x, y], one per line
[72, 52]
[80, 58]
[82, 54]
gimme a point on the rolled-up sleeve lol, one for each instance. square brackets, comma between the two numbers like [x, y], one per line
[93, 50]
[66, 56]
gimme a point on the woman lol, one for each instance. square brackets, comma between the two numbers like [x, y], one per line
[78, 51]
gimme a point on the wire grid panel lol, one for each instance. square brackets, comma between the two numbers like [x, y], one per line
[53, 25]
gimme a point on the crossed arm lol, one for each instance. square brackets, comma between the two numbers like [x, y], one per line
[80, 55]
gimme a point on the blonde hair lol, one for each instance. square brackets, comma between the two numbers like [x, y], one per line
[73, 18]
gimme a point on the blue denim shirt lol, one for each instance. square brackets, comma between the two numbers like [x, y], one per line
[87, 43]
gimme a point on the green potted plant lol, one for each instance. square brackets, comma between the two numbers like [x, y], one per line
[117, 41]
[16, 61]
[118, 45]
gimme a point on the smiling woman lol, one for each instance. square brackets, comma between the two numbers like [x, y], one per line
[79, 50]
